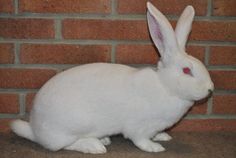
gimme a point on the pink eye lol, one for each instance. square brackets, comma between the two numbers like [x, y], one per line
[187, 71]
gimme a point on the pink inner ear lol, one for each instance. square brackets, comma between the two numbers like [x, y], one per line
[158, 32]
[156, 28]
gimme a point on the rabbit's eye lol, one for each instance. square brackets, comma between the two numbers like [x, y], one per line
[187, 71]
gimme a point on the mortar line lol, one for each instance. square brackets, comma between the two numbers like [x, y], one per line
[56, 67]
[215, 18]
[113, 53]
[16, 6]
[22, 104]
[207, 55]
[75, 16]
[222, 67]
[9, 116]
[82, 42]
[12, 90]
[210, 106]
[212, 43]
[97, 42]
[224, 92]
[113, 8]
[57, 27]
[213, 116]
[17, 53]
[209, 8]
[111, 16]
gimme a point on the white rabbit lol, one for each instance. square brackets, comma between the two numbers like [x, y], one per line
[80, 108]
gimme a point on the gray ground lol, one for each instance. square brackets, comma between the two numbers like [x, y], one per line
[183, 145]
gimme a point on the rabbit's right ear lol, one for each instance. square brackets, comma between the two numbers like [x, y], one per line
[162, 34]
[184, 25]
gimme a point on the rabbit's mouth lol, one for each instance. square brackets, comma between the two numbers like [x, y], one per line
[210, 93]
[207, 96]
[201, 95]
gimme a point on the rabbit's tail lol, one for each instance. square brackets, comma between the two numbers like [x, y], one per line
[23, 129]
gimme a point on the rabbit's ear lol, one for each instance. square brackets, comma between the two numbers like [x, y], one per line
[184, 26]
[162, 34]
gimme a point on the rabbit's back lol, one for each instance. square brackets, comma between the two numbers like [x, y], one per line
[92, 78]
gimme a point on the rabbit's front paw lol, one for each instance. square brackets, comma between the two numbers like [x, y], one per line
[162, 137]
[149, 146]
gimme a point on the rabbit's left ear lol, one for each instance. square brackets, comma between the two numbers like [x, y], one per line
[184, 26]
[162, 34]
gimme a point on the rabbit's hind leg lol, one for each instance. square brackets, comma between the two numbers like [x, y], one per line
[106, 141]
[55, 141]
[88, 145]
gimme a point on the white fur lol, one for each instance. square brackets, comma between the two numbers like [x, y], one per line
[184, 25]
[79, 108]
[162, 137]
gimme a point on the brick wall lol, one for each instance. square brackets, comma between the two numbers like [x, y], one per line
[39, 38]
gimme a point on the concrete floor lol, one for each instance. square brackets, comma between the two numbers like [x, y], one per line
[183, 145]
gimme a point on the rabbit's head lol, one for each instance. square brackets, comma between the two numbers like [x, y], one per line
[183, 75]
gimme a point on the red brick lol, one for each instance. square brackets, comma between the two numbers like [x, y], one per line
[9, 103]
[224, 79]
[214, 31]
[29, 101]
[6, 6]
[205, 125]
[64, 54]
[197, 52]
[26, 28]
[224, 104]
[6, 53]
[24, 78]
[199, 107]
[223, 55]
[137, 30]
[136, 54]
[224, 8]
[65, 6]
[173, 7]
[147, 54]
[5, 125]
[105, 29]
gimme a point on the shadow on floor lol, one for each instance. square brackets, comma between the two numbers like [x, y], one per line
[183, 145]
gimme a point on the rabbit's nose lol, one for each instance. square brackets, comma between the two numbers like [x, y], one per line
[210, 93]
